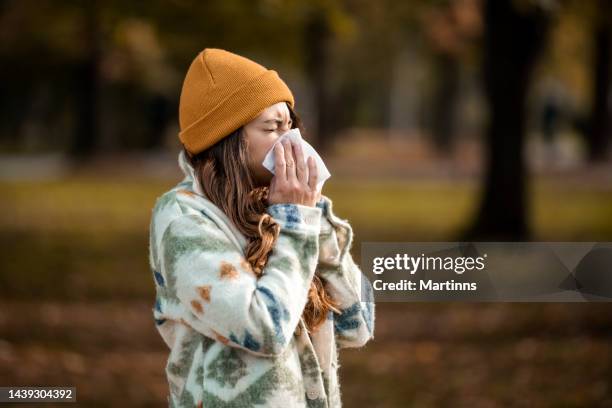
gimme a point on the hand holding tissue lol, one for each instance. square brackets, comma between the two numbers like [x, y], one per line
[295, 135]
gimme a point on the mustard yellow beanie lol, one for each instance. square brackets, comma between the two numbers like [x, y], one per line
[223, 91]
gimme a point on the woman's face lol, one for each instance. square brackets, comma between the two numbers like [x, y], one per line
[260, 134]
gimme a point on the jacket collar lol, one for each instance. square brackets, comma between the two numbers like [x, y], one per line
[189, 172]
[214, 212]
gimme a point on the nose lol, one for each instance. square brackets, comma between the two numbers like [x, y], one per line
[284, 129]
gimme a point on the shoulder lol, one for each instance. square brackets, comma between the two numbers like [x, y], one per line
[176, 208]
[177, 199]
[180, 199]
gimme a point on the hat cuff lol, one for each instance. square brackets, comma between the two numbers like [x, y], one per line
[236, 110]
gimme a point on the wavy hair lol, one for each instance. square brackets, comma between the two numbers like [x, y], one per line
[225, 178]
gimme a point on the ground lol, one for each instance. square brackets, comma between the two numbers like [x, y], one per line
[76, 297]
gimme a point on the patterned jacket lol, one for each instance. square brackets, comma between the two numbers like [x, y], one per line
[237, 340]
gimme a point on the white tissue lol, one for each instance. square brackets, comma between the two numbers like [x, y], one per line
[295, 135]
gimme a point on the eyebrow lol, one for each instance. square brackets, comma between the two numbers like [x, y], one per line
[280, 120]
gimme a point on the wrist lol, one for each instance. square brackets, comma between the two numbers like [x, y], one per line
[296, 216]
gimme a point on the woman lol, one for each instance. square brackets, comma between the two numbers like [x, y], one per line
[256, 287]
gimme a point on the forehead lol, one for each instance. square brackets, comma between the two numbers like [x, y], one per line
[278, 111]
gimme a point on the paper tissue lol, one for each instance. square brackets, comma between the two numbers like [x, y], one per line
[296, 136]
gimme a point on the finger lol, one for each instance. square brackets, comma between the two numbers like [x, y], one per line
[279, 162]
[289, 160]
[313, 173]
[273, 183]
[301, 168]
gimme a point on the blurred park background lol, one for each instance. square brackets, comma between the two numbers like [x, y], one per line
[439, 121]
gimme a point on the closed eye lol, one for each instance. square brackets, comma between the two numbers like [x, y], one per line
[280, 123]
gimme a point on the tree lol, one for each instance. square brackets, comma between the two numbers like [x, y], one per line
[600, 129]
[86, 86]
[450, 29]
[514, 36]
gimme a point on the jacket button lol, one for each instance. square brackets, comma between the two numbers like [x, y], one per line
[312, 393]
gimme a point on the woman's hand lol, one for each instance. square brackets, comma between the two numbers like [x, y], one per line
[295, 180]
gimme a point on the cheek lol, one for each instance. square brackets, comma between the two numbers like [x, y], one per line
[259, 150]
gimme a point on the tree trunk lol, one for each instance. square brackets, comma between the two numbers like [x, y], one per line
[316, 37]
[86, 80]
[600, 130]
[512, 42]
[445, 102]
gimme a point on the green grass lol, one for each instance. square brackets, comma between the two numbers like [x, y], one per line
[87, 240]
[75, 239]
[423, 211]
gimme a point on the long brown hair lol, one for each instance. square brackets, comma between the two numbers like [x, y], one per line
[226, 181]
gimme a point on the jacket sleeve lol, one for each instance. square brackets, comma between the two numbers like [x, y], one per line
[220, 294]
[354, 325]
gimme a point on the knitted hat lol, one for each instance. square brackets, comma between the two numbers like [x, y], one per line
[223, 91]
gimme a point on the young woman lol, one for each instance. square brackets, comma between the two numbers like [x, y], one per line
[256, 287]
